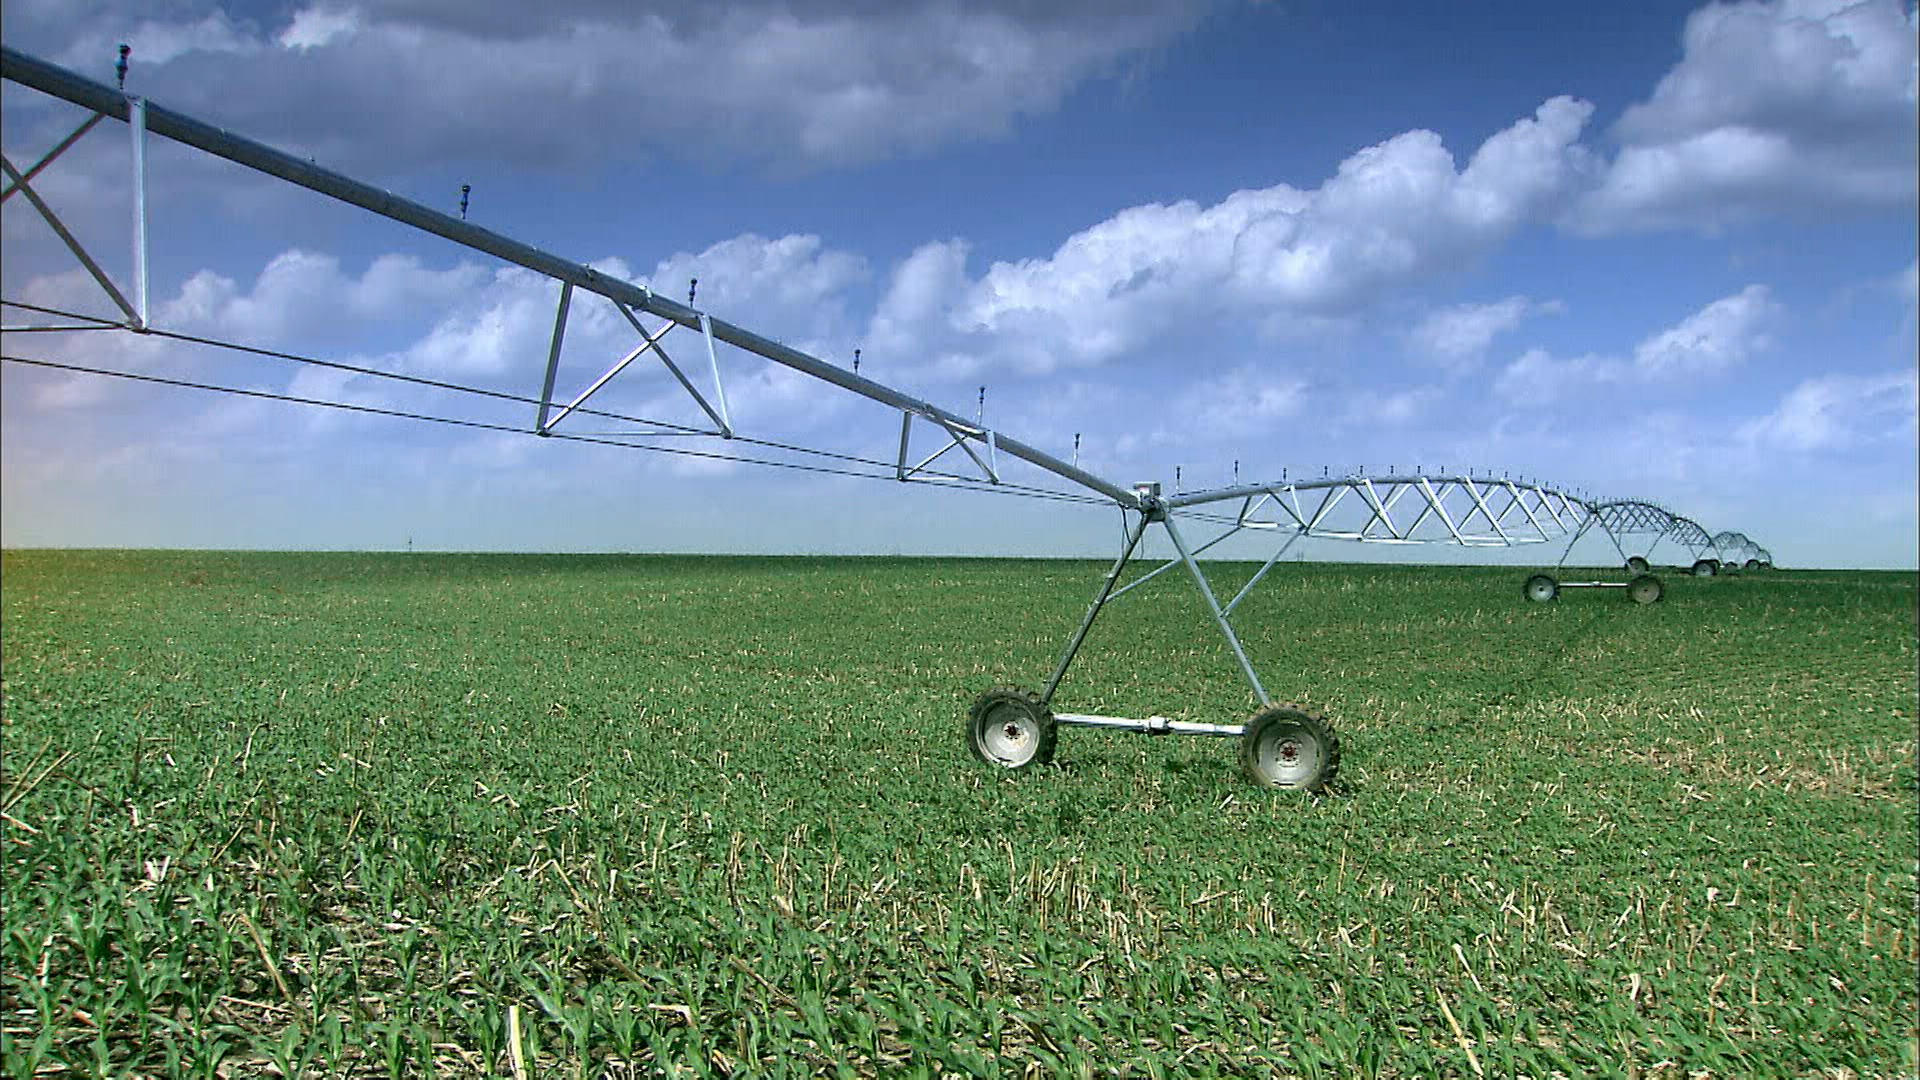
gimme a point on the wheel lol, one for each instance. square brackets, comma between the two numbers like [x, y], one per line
[1287, 747]
[1645, 589]
[1540, 588]
[1011, 728]
[1765, 565]
[1751, 564]
[1637, 564]
[1705, 568]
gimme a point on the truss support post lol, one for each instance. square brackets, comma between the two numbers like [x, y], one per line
[1485, 511]
[1171, 563]
[1213, 605]
[930, 458]
[1519, 499]
[960, 440]
[906, 433]
[1255, 580]
[1577, 534]
[553, 357]
[137, 124]
[1437, 503]
[1547, 505]
[1377, 511]
[60, 229]
[648, 341]
[719, 388]
[1093, 611]
[1616, 542]
[651, 340]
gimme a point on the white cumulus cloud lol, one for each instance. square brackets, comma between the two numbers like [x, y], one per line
[1238, 403]
[316, 26]
[1279, 256]
[1776, 105]
[1839, 412]
[794, 85]
[1458, 336]
[1539, 378]
[1714, 339]
[1717, 338]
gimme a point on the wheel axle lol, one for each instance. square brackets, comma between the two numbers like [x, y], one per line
[1643, 589]
[1281, 746]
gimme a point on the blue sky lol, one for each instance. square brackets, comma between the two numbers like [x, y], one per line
[1662, 251]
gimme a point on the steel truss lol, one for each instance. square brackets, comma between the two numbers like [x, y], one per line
[1628, 522]
[1282, 746]
[1737, 552]
[1462, 510]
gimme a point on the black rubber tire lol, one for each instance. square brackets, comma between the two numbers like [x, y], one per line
[1765, 565]
[1271, 745]
[1645, 589]
[1638, 564]
[1027, 731]
[1705, 568]
[1751, 564]
[1541, 589]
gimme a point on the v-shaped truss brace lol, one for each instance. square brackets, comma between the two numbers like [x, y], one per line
[1466, 510]
[21, 183]
[958, 434]
[1737, 547]
[549, 417]
[1625, 518]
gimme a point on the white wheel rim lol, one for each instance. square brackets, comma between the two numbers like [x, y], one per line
[1540, 589]
[1009, 735]
[1288, 755]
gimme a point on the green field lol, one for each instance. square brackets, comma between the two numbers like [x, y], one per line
[338, 814]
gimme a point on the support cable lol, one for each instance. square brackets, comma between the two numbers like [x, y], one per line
[664, 427]
[956, 481]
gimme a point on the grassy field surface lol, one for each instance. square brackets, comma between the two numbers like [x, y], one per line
[337, 814]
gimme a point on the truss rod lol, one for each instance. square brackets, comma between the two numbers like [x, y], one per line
[946, 480]
[1244, 491]
[59, 82]
[50, 156]
[661, 428]
[60, 229]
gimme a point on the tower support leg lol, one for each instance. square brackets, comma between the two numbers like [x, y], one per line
[1093, 611]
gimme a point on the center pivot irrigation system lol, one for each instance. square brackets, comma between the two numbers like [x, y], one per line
[1281, 745]
[1631, 519]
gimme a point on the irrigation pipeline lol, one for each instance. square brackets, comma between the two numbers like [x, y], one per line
[144, 117]
[935, 478]
[932, 478]
[940, 480]
[661, 428]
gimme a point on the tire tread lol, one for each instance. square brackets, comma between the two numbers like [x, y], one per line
[1330, 741]
[1049, 731]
